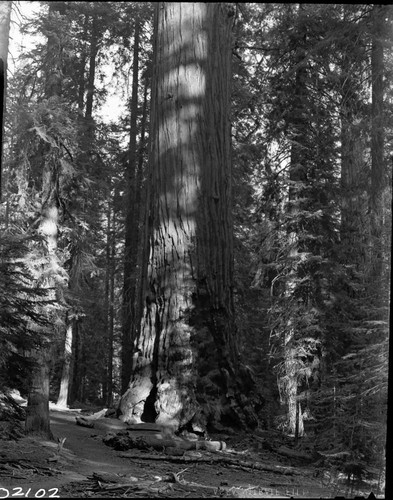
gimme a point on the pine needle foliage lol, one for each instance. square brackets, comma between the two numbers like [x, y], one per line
[24, 322]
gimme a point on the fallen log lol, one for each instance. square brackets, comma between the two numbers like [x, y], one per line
[84, 422]
[89, 421]
[98, 414]
[110, 477]
[112, 482]
[125, 440]
[165, 457]
[283, 450]
[218, 459]
[144, 427]
[339, 454]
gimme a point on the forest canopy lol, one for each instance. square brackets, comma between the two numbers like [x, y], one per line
[195, 217]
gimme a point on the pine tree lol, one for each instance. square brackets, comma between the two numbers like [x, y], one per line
[24, 324]
[37, 413]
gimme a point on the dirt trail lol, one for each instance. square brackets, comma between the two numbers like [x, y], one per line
[84, 453]
[86, 443]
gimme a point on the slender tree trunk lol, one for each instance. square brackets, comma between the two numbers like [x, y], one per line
[53, 63]
[140, 271]
[298, 179]
[352, 199]
[82, 68]
[187, 342]
[5, 19]
[353, 145]
[109, 300]
[141, 195]
[86, 137]
[107, 283]
[142, 146]
[62, 400]
[141, 258]
[377, 145]
[80, 366]
[131, 229]
[37, 413]
[92, 68]
[76, 363]
[111, 316]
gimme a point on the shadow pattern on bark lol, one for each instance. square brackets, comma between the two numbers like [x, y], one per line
[187, 369]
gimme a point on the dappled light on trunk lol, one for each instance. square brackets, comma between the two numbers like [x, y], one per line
[195, 242]
[189, 305]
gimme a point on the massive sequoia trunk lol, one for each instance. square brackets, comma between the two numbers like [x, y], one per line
[185, 361]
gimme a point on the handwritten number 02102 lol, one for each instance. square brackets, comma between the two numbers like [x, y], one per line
[18, 492]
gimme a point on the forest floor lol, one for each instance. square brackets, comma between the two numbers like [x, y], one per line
[85, 467]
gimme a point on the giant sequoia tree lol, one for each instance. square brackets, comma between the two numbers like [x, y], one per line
[187, 351]
[160, 309]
